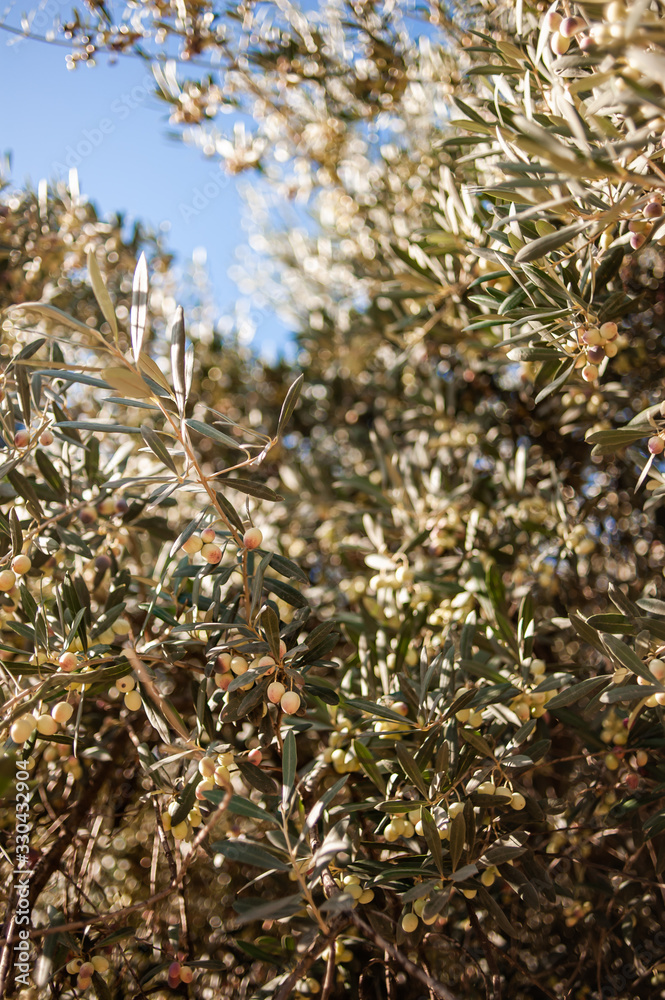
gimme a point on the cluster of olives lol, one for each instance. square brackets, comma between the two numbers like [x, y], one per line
[46, 724]
[409, 824]
[613, 27]
[20, 565]
[512, 798]
[590, 345]
[388, 728]
[469, 716]
[351, 885]
[127, 687]
[233, 664]
[614, 729]
[576, 912]
[563, 30]
[179, 974]
[205, 543]
[657, 669]
[395, 589]
[393, 579]
[453, 609]
[534, 509]
[412, 918]
[23, 438]
[398, 826]
[84, 970]
[215, 770]
[343, 761]
[606, 33]
[308, 986]
[640, 227]
[60, 713]
[656, 444]
[531, 702]
[183, 829]
[578, 539]
[342, 953]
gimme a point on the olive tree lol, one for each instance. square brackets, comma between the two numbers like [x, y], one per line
[368, 664]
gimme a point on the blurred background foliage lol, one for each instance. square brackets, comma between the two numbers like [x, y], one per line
[447, 206]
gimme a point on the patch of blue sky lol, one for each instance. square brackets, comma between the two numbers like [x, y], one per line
[106, 122]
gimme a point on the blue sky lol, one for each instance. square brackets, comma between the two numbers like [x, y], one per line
[105, 121]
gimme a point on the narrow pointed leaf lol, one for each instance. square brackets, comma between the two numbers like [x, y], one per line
[211, 432]
[457, 838]
[249, 854]
[289, 762]
[16, 533]
[157, 447]
[546, 244]
[23, 386]
[51, 312]
[178, 358]
[270, 625]
[249, 487]
[496, 911]
[410, 768]
[139, 309]
[623, 654]
[229, 510]
[289, 403]
[432, 838]
[101, 293]
[257, 778]
[564, 371]
[154, 372]
[366, 760]
[128, 383]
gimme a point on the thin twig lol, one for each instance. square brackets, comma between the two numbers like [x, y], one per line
[488, 948]
[6, 950]
[77, 925]
[390, 979]
[329, 981]
[437, 988]
[164, 707]
[309, 958]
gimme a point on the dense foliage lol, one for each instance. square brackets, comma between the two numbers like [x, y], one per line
[346, 678]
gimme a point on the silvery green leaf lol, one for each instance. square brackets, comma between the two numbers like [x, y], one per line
[139, 310]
